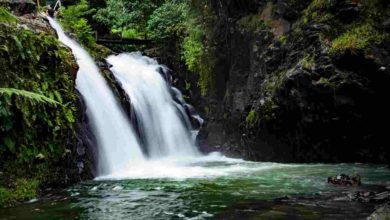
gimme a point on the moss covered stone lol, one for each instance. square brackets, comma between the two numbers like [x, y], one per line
[357, 38]
[35, 136]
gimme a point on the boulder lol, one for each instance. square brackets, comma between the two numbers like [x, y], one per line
[345, 180]
[382, 213]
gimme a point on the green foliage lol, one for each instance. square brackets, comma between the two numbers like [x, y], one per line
[37, 110]
[6, 16]
[197, 50]
[269, 109]
[283, 39]
[357, 38]
[128, 33]
[326, 82]
[274, 81]
[199, 58]
[5, 197]
[193, 48]
[29, 95]
[173, 24]
[308, 61]
[25, 189]
[252, 23]
[351, 36]
[316, 11]
[315, 8]
[251, 117]
[122, 15]
[207, 110]
[73, 19]
[206, 71]
[21, 190]
[169, 20]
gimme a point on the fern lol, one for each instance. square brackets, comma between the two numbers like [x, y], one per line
[29, 95]
[6, 16]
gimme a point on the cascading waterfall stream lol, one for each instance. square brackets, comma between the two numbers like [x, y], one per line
[117, 141]
[162, 122]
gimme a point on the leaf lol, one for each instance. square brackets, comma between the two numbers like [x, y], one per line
[58, 96]
[69, 116]
[35, 97]
[6, 16]
[40, 156]
[10, 144]
[4, 48]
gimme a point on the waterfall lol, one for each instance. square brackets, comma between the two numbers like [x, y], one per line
[163, 123]
[117, 142]
[163, 119]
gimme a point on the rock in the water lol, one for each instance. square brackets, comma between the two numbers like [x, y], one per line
[345, 180]
[368, 196]
[382, 213]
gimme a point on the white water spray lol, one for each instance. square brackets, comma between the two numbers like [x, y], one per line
[117, 142]
[162, 122]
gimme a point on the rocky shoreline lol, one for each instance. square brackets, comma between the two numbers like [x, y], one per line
[347, 204]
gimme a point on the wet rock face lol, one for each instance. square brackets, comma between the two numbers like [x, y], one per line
[382, 212]
[86, 150]
[284, 96]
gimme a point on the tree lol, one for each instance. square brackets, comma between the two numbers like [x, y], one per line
[127, 15]
[169, 20]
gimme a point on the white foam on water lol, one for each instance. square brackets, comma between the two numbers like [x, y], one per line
[211, 166]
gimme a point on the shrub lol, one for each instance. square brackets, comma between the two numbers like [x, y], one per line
[25, 189]
[283, 39]
[269, 109]
[73, 19]
[169, 20]
[6, 16]
[21, 190]
[308, 61]
[193, 48]
[251, 117]
[357, 38]
[5, 197]
[122, 15]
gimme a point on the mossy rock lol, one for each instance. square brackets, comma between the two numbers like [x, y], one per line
[35, 135]
[358, 38]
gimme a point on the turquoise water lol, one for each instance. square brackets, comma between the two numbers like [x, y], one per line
[209, 190]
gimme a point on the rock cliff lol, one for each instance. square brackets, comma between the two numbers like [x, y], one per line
[302, 81]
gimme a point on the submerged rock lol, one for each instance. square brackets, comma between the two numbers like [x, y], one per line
[382, 213]
[370, 196]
